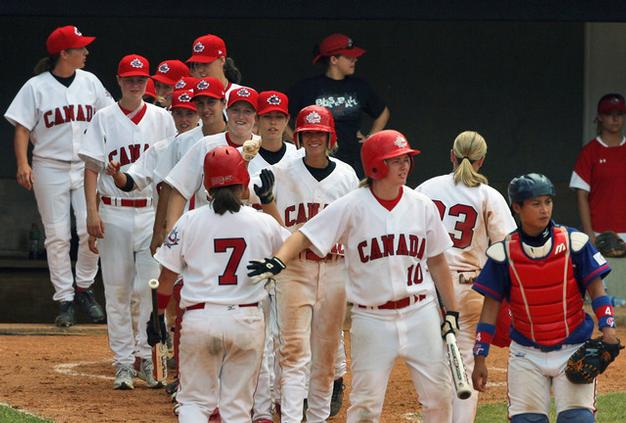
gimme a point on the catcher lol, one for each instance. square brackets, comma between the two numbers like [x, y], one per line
[544, 270]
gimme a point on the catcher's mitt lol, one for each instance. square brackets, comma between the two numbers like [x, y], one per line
[590, 360]
[610, 244]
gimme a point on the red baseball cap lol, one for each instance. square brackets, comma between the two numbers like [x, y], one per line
[150, 90]
[207, 49]
[133, 65]
[247, 94]
[186, 82]
[66, 37]
[209, 87]
[170, 71]
[611, 103]
[181, 99]
[270, 101]
[338, 44]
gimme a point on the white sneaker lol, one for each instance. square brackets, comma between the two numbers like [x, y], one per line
[124, 378]
[145, 373]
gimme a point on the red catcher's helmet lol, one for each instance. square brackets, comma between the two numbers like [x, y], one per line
[224, 166]
[315, 118]
[381, 146]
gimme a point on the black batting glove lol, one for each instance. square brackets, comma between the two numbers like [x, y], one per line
[265, 192]
[153, 337]
[450, 323]
[268, 268]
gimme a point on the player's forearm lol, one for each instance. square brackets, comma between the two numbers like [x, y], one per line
[438, 267]
[175, 207]
[604, 314]
[20, 145]
[167, 278]
[489, 313]
[160, 218]
[272, 210]
[91, 195]
[293, 246]
[380, 122]
[582, 198]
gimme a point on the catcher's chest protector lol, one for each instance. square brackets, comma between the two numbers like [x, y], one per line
[546, 304]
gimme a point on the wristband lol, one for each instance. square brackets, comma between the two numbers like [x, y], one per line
[484, 335]
[163, 300]
[130, 183]
[603, 310]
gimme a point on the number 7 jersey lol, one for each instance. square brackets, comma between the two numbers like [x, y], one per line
[474, 217]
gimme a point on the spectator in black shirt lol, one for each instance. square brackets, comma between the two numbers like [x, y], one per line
[345, 95]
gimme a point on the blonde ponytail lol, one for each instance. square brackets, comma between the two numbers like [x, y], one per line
[469, 146]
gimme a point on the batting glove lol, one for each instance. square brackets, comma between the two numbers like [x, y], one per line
[266, 269]
[450, 323]
[265, 192]
[154, 337]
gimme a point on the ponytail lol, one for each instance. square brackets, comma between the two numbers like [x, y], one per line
[231, 72]
[469, 147]
[226, 199]
[46, 64]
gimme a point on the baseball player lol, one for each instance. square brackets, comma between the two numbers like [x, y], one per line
[122, 132]
[273, 116]
[223, 330]
[52, 110]
[316, 298]
[599, 172]
[543, 269]
[167, 74]
[150, 94]
[475, 215]
[186, 176]
[209, 59]
[394, 242]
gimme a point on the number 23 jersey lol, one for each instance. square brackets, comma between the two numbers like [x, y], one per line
[385, 251]
[474, 217]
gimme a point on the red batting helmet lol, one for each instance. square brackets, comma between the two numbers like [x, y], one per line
[224, 166]
[315, 118]
[381, 146]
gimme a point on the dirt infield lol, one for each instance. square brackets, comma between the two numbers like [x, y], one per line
[69, 379]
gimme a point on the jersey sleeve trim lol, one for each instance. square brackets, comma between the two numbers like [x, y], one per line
[576, 182]
[486, 291]
[601, 271]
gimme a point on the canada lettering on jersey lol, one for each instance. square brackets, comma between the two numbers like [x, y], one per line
[301, 213]
[127, 154]
[69, 113]
[391, 245]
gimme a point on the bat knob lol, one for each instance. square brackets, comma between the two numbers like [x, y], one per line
[464, 395]
[153, 283]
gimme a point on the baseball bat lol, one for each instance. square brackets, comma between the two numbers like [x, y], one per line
[459, 376]
[159, 351]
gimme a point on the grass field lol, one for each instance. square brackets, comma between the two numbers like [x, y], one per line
[611, 409]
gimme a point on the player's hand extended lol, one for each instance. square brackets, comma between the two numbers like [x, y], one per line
[95, 227]
[113, 167]
[92, 241]
[268, 268]
[24, 176]
[157, 240]
[153, 336]
[450, 323]
[479, 375]
[265, 192]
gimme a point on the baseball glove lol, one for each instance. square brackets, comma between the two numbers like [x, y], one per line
[590, 360]
[610, 244]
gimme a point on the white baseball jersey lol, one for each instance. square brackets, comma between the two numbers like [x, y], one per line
[259, 163]
[187, 176]
[144, 170]
[113, 136]
[55, 115]
[299, 196]
[385, 251]
[211, 252]
[474, 218]
[176, 150]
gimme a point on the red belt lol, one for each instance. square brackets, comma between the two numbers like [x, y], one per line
[394, 305]
[310, 255]
[200, 306]
[125, 202]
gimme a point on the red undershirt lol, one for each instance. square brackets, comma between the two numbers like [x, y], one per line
[137, 118]
[388, 204]
[232, 144]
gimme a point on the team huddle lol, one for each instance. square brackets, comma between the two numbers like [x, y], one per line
[260, 244]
